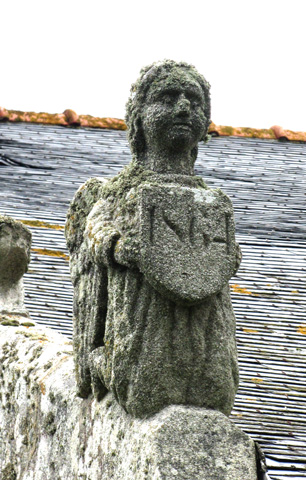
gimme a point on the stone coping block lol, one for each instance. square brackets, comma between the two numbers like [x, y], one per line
[48, 433]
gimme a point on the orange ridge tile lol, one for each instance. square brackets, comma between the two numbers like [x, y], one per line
[68, 118]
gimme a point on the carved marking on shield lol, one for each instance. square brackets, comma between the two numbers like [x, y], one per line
[191, 229]
[174, 227]
[206, 239]
[188, 248]
[188, 232]
[152, 213]
[225, 240]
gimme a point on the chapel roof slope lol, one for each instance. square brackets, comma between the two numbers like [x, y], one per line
[41, 167]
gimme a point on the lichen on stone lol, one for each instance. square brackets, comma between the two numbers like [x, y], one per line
[8, 472]
[10, 322]
[49, 424]
[27, 324]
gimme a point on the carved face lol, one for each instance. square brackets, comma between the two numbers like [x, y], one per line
[173, 115]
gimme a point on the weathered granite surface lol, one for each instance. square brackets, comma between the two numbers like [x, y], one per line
[48, 433]
[152, 251]
[15, 245]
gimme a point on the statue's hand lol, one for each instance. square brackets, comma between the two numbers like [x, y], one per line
[101, 243]
[126, 252]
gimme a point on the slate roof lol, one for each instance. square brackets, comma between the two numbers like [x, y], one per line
[41, 167]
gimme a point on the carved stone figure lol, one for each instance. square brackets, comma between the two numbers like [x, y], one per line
[15, 246]
[152, 251]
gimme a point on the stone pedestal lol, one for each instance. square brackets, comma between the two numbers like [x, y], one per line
[47, 432]
[190, 443]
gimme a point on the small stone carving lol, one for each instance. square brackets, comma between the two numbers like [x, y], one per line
[152, 251]
[15, 245]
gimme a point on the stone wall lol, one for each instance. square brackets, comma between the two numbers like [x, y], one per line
[47, 433]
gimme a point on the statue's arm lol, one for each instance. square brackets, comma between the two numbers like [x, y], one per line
[89, 281]
[101, 234]
[107, 240]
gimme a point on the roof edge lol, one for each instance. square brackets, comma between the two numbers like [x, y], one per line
[69, 118]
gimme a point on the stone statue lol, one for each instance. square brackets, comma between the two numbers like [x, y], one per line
[15, 247]
[152, 251]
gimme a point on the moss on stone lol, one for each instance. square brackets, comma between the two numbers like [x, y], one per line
[48, 365]
[27, 324]
[33, 335]
[10, 323]
[10, 353]
[10, 319]
[51, 397]
[9, 473]
[24, 425]
[48, 424]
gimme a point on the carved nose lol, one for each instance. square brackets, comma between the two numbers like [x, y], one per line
[183, 104]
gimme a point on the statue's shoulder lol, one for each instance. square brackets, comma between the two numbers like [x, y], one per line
[89, 192]
[111, 192]
[83, 201]
[217, 195]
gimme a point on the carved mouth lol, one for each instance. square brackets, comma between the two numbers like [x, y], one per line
[183, 124]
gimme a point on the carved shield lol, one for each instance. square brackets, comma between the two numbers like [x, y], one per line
[187, 241]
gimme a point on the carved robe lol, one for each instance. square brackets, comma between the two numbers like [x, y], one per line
[130, 337]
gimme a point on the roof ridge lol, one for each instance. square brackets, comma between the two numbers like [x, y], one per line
[67, 118]
[275, 132]
[71, 118]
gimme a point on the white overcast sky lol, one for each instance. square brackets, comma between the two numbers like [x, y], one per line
[84, 55]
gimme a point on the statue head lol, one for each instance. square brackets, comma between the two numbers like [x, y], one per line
[15, 246]
[170, 105]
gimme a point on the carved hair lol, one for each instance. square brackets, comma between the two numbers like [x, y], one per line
[138, 94]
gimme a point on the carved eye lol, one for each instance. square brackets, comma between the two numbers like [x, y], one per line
[196, 102]
[169, 97]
